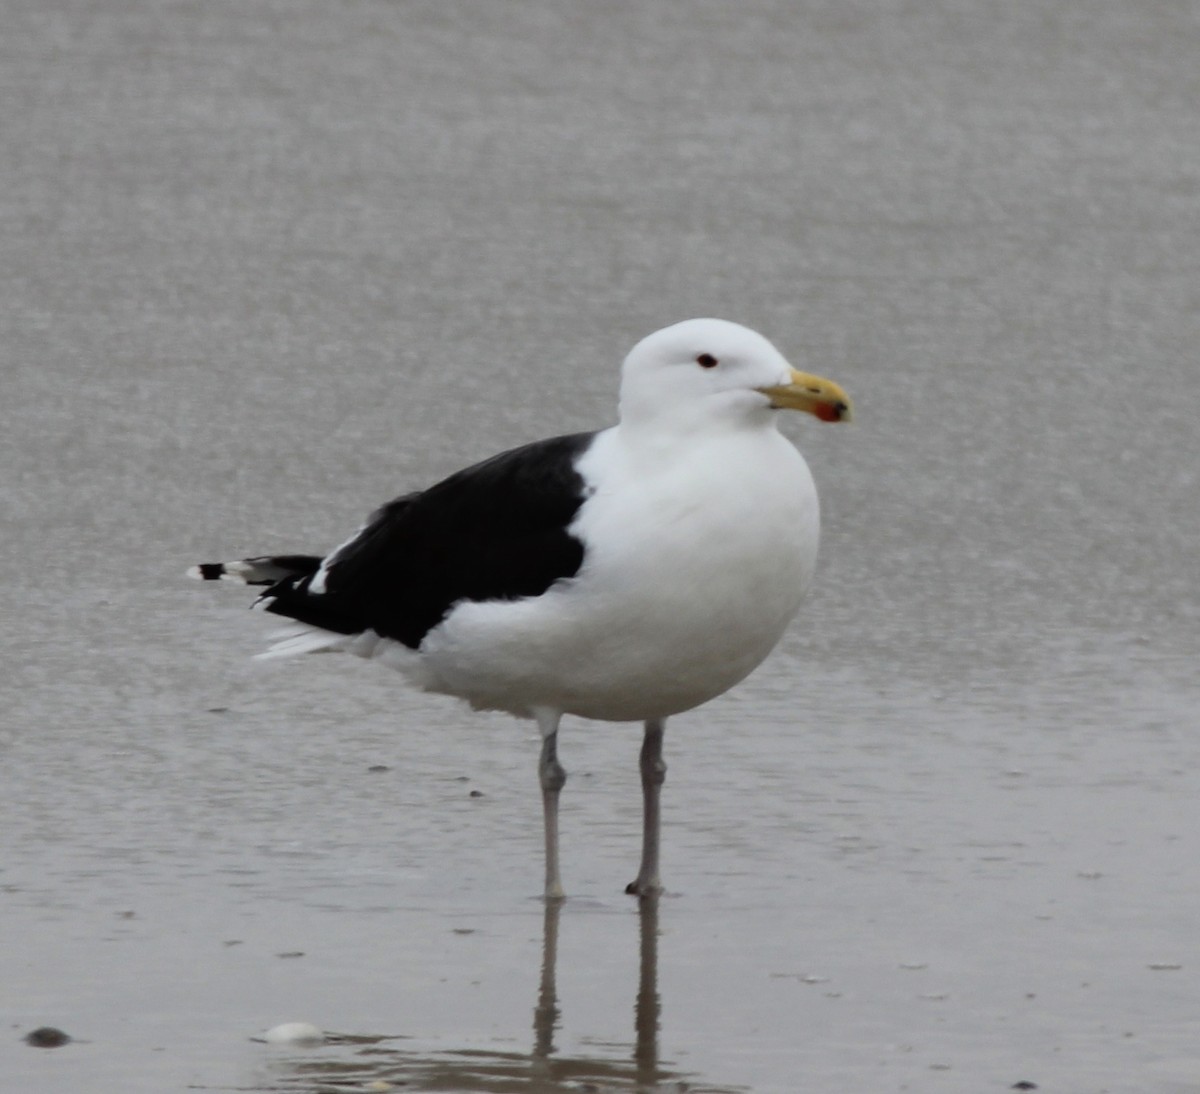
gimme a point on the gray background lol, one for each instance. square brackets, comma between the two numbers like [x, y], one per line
[267, 263]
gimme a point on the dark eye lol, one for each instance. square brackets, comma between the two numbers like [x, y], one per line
[706, 360]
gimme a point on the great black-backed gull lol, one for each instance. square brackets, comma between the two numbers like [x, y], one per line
[624, 575]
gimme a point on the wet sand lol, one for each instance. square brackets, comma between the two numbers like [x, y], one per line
[269, 264]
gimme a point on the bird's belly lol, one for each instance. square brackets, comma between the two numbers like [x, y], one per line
[622, 662]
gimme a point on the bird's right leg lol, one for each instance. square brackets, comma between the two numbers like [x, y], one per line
[654, 773]
[552, 777]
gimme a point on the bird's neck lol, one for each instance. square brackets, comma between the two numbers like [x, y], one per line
[674, 433]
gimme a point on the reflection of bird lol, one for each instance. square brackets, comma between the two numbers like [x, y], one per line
[375, 1062]
[624, 575]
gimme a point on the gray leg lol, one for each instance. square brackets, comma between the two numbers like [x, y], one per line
[654, 772]
[552, 777]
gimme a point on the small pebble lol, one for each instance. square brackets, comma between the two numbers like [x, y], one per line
[46, 1037]
[376, 769]
[295, 1033]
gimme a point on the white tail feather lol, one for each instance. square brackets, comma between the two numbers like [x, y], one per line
[293, 641]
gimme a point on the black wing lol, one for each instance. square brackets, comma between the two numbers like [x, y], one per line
[494, 531]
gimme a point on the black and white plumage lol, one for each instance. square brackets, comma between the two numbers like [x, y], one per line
[628, 574]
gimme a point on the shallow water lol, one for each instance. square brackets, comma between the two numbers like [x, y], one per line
[268, 264]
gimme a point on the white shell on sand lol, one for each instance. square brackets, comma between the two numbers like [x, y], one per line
[294, 1033]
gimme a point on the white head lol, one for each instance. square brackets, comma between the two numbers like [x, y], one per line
[705, 372]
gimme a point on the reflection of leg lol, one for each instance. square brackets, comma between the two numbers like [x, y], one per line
[648, 1008]
[654, 772]
[552, 777]
[546, 1013]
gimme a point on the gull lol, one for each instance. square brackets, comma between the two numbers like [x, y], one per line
[628, 574]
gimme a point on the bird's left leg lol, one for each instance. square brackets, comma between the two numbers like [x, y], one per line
[552, 777]
[654, 773]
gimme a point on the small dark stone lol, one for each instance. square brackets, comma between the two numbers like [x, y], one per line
[291, 953]
[376, 769]
[475, 794]
[46, 1037]
[1024, 1084]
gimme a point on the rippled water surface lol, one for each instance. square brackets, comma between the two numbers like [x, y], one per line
[267, 263]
